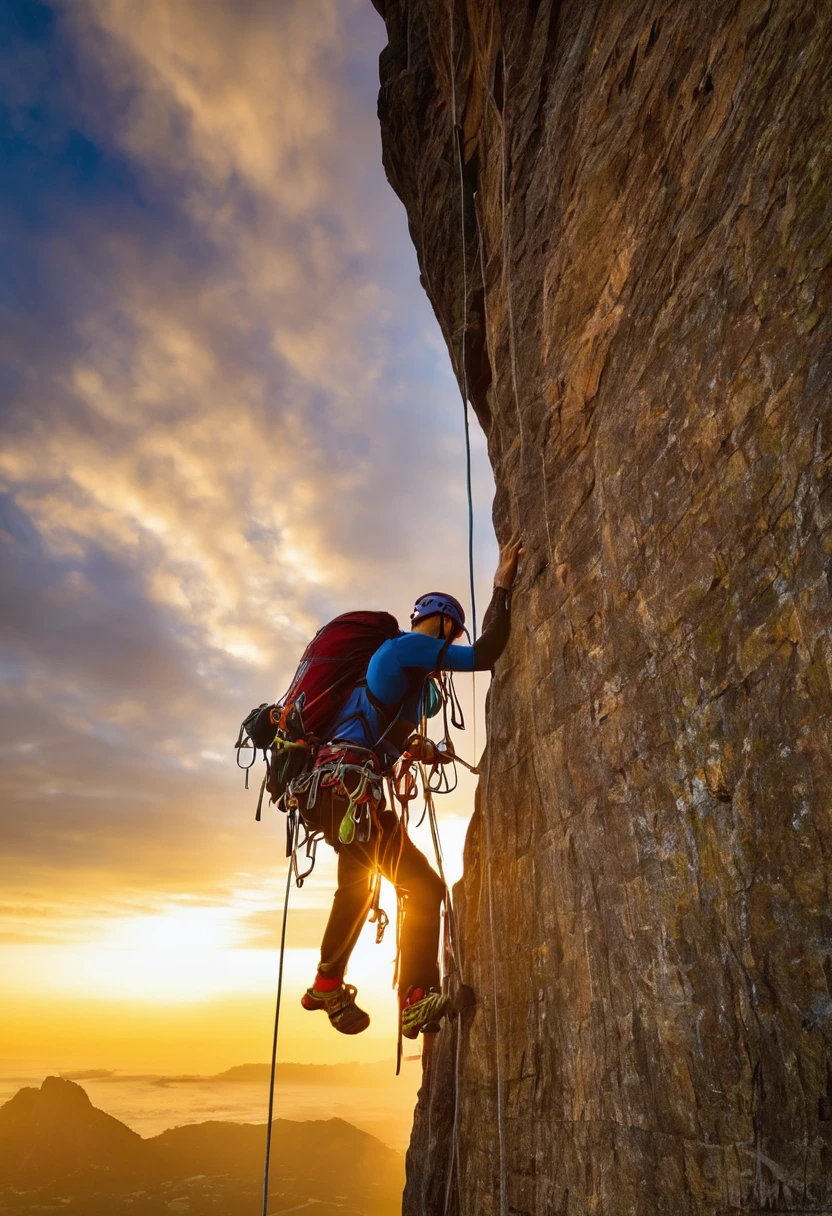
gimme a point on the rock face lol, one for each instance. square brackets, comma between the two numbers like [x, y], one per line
[632, 273]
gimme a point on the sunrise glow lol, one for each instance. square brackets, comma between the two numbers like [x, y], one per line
[233, 418]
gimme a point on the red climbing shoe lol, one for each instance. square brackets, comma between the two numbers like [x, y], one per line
[422, 1010]
[340, 1007]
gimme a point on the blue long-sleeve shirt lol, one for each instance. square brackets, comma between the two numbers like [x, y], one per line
[395, 679]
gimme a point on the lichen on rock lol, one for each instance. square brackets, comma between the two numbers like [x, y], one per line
[645, 202]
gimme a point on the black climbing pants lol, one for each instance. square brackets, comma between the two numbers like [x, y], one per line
[391, 851]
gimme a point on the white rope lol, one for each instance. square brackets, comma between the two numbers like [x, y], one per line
[454, 1166]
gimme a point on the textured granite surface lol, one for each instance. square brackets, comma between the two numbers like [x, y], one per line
[640, 310]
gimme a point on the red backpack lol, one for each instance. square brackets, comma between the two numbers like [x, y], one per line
[333, 663]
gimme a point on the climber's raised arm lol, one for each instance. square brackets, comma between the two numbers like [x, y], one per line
[438, 618]
[496, 624]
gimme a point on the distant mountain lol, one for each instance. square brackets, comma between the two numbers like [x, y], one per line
[382, 1072]
[56, 1131]
[88, 1074]
[231, 1146]
[56, 1146]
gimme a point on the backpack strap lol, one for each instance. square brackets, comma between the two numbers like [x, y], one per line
[443, 654]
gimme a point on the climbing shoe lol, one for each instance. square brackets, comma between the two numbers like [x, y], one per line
[340, 1007]
[422, 1010]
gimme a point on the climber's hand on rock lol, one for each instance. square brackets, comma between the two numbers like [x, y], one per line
[510, 555]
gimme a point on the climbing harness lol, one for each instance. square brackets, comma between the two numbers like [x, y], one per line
[352, 772]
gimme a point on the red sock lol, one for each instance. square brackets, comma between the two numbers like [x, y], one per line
[327, 983]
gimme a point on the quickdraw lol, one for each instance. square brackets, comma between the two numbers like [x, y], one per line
[378, 916]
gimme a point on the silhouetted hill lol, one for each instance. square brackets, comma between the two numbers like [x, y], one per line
[56, 1147]
[347, 1161]
[56, 1131]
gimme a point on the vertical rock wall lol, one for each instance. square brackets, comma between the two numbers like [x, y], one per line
[642, 297]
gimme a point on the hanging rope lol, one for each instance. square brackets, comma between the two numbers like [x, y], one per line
[458, 139]
[497, 1043]
[454, 1164]
[459, 136]
[289, 872]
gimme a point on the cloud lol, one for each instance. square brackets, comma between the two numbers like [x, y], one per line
[229, 417]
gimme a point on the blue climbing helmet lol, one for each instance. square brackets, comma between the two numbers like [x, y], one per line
[438, 603]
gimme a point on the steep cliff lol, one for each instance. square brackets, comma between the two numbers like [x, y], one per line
[640, 308]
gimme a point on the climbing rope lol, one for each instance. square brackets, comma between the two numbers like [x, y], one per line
[454, 1164]
[458, 139]
[507, 262]
[289, 871]
[453, 1169]
[497, 1042]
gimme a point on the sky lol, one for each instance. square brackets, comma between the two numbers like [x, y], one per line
[228, 414]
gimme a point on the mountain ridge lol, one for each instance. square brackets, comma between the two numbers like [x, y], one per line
[350, 1072]
[53, 1140]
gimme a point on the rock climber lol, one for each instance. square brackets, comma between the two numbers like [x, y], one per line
[380, 715]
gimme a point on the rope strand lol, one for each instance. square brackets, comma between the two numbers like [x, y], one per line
[497, 1043]
[458, 138]
[454, 1167]
[277, 1018]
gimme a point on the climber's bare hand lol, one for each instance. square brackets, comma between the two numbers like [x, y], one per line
[510, 555]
